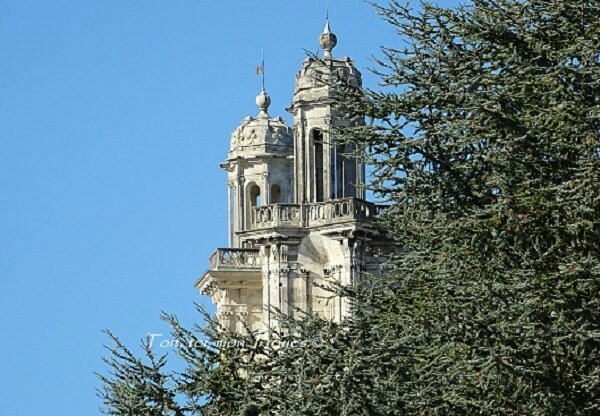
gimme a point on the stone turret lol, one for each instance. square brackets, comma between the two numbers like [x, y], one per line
[258, 165]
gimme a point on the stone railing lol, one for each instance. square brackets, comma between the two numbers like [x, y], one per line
[316, 214]
[275, 215]
[340, 210]
[239, 258]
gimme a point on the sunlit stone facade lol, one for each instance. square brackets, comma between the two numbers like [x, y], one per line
[297, 213]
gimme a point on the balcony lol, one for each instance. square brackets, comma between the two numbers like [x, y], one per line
[275, 216]
[225, 259]
[231, 268]
[336, 211]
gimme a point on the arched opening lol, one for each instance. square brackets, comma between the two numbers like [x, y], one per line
[317, 141]
[252, 200]
[275, 194]
[254, 195]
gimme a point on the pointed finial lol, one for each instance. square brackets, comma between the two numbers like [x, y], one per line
[327, 40]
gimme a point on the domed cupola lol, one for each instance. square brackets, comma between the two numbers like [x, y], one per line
[261, 135]
[259, 168]
[314, 81]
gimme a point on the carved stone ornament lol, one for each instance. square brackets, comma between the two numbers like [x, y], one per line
[283, 253]
[275, 253]
[264, 253]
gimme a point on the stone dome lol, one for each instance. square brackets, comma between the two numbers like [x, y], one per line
[261, 135]
[315, 79]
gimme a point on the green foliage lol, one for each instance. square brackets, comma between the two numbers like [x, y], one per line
[485, 140]
[136, 388]
[488, 150]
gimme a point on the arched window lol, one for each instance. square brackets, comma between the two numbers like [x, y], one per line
[317, 141]
[275, 194]
[252, 200]
[254, 194]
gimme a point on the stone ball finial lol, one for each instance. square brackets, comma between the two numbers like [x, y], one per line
[328, 41]
[263, 101]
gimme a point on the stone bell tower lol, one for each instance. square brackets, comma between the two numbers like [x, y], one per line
[297, 214]
[322, 170]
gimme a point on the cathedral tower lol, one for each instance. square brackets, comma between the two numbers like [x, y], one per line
[297, 214]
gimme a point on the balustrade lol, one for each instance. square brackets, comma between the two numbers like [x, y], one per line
[315, 214]
[235, 257]
[340, 210]
[276, 215]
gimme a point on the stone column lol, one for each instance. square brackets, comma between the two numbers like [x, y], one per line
[267, 293]
[240, 206]
[230, 211]
[266, 197]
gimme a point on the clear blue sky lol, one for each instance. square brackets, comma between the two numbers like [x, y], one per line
[114, 116]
